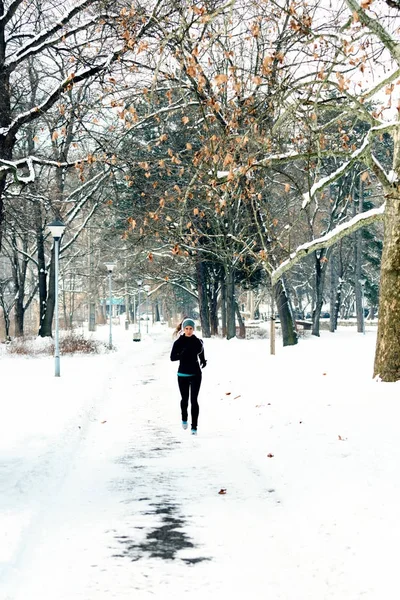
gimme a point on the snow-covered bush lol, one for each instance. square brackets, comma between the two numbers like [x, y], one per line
[70, 343]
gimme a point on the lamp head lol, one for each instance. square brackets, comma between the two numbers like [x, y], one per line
[56, 228]
[110, 266]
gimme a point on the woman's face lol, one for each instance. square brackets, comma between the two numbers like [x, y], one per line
[188, 330]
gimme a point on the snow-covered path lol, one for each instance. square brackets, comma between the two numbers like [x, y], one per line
[103, 495]
[127, 502]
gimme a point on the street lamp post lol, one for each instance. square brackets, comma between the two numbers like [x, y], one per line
[134, 308]
[362, 284]
[110, 266]
[139, 282]
[146, 289]
[56, 228]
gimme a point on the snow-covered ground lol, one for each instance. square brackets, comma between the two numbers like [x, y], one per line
[103, 495]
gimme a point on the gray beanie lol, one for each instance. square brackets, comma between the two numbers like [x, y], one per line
[188, 322]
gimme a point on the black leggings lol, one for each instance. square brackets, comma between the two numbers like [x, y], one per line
[193, 384]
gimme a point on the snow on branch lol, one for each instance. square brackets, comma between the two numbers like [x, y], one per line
[43, 39]
[354, 157]
[55, 94]
[376, 28]
[86, 220]
[8, 15]
[30, 50]
[28, 162]
[75, 78]
[322, 183]
[9, 165]
[89, 182]
[379, 170]
[327, 240]
[184, 288]
[77, 208]
[272, 159]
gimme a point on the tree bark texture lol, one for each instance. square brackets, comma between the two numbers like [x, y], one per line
[320, 272]
[223, 306]
[157, 316]
[333, 294]
[230, 304]
[19, 319]
[214, 307]
[18, 268]
[289, 334]
[358, 267]
[5, 313]
[45, 328]
[387, 356]
[340, 279]
[242, 328]
[203, 299]
[7, 140]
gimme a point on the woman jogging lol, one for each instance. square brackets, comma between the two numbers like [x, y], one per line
[189, 350]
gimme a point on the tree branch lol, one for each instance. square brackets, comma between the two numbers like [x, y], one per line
[37, 111]
[342, 230]
[376, 28]
[7, 16]
[36, 43]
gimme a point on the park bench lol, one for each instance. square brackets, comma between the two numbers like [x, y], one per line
[304, 323]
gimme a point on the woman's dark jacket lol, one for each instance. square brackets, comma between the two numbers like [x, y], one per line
[189, 351]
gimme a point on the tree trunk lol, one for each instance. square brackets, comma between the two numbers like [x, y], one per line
[333, 294]
[242, 328]
[214, 307]
[320, 271]
[251, 304]
[157, 317]
[387, 355]
[92, 285]
[19, 316]
[203, 298]
[358, 268]
[19, 277]
[64, 310]
[6, 317]
[272, 326]
[45, 329]
[340, 280]
[223, 305]
[230, 304]
[6, 141]
[289, 334]
[42, 271]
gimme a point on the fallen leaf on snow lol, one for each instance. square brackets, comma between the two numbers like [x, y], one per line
[102, 422]
[222, 491]
[270, 455]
